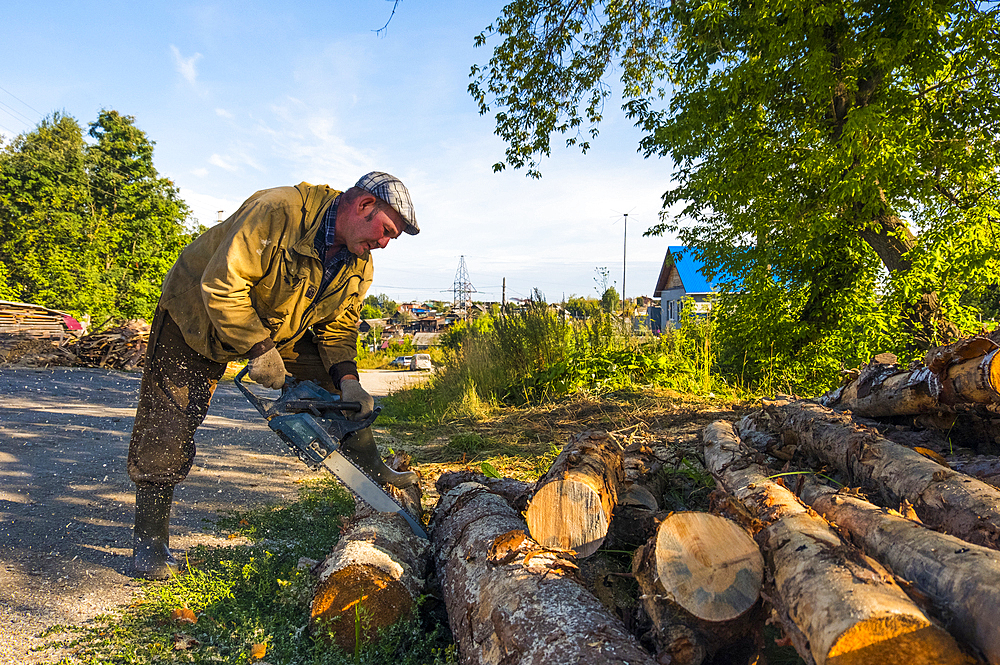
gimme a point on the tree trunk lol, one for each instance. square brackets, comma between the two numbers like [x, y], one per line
[513, 601]
[835, 604]
[374, 574]
[942, 498]
[572, 504]
[964, 373]
[700, 577]
[370, 580]
[961, 579]
[514, 492]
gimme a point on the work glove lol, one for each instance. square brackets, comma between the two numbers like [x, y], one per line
[268, 369]
[351, 391]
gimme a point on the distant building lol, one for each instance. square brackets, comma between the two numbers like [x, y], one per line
[681, 277]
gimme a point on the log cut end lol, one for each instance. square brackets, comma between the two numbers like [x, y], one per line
[896, 640]
[357, 594]
[568, 514]
[708, 565]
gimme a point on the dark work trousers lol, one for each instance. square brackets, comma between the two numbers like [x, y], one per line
[177, 387]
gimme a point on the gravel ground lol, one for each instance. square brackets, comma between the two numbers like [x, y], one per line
[66, 502]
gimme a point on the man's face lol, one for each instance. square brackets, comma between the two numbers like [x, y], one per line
[366, 224]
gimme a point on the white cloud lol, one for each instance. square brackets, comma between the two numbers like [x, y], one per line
[221, 162]
[206, 208]
[223, 113]
[200, 172]
[186, 66]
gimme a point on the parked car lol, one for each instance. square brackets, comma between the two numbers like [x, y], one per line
[420, 361]
[401, 361]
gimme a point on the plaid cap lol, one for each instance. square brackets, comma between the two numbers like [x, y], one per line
[391, 190]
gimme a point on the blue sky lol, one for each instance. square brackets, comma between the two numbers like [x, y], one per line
[241, 96]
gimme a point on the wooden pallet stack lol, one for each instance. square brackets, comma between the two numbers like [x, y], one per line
[18, 318]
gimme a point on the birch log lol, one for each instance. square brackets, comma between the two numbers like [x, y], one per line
[572, 504]
[961, 579]
[967, 372]
[943, 499]
[512, 601]
[700, 577]
[514, 492]
[836, 605]
[374, 574]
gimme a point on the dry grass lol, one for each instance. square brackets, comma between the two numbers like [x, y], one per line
[521, 443]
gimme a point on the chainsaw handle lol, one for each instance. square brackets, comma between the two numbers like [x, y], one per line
[325, 405]
[266, 407]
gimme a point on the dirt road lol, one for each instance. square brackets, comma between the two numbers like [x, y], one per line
[66, 502]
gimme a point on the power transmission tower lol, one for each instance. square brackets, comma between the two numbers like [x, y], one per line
[463, 288]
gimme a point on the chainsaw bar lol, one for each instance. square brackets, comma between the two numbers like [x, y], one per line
[309, 437]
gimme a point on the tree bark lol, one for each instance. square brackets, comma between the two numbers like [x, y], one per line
[835, 604]
[572, 504]
[511, 600]
[942, 498]
[961, 579]
[375, 572]
[514, 492]
[700, 578]
[963, 373]
[372, 577]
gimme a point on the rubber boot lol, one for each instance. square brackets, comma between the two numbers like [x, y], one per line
[359, 447]
[151, 557]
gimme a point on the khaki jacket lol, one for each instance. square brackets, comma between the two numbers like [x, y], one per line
[255, 276]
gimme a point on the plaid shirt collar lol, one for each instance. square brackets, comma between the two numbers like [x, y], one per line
[325, 238]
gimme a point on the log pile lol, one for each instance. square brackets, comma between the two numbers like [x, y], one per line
[954, 390]
[903, 568]
[121, 347]
[836, 604]
[20, 350]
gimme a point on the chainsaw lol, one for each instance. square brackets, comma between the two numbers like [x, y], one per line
[309, 419]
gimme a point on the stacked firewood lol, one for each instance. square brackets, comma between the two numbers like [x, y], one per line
[23, 350]
[121, 347]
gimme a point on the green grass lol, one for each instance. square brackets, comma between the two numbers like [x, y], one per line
[248, 595]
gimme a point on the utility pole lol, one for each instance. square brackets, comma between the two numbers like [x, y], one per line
[503, 295]
[624, 255]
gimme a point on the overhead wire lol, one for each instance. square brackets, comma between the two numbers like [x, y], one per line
[42, 116]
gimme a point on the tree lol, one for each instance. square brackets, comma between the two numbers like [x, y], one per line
[139, 221]
[45, 202]
[582, 308]
[610, 300]
[383, 304]
[839, 157]
[87, 228]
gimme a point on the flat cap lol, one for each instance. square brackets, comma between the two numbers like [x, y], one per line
[390, 189]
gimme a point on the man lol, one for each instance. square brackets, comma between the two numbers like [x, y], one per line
[279, 283]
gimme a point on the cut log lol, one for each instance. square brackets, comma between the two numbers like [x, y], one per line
[700, 578]
[514, 492]
[962, 580]
[373, 575]
[943, 499]
[512, 601]
[835, 604]
[572, 504]
[965, 372]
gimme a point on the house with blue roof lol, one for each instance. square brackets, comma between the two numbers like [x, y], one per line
[681, 277]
